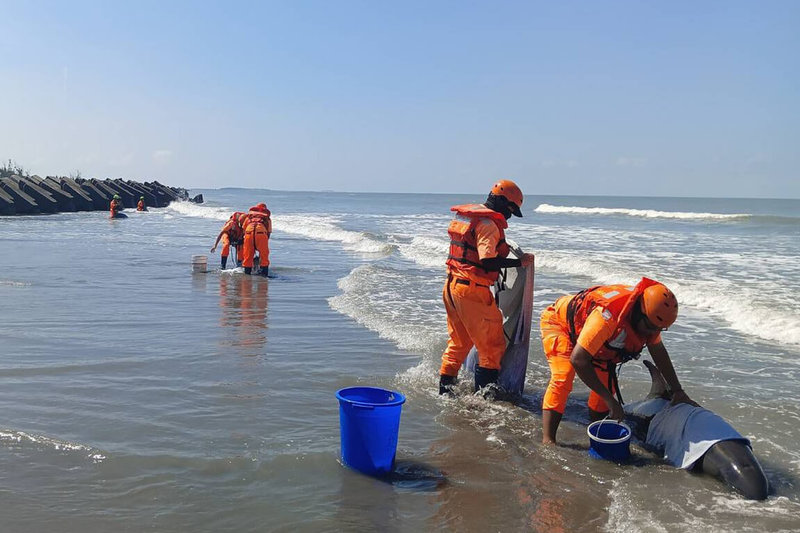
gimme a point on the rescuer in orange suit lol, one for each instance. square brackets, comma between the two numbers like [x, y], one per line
[257, 229]
[591, 332]
[478, 251]
[115, 205]
[231, 233]
[140, 206]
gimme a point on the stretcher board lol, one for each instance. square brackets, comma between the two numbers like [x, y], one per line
[515, 299]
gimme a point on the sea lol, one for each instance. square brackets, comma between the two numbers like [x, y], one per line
[136, 395]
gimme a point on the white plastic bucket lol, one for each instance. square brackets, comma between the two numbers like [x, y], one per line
[199, 264]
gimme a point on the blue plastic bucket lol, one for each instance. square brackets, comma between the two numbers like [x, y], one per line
[609, 440]
[369, 422]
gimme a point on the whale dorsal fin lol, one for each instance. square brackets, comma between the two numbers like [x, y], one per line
[659, 388]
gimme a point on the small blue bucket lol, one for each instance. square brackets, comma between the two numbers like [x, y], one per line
[609, 440]
[369, 422]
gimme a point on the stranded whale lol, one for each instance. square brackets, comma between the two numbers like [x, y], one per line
[695, 438]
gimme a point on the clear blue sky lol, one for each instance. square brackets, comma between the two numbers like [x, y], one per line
[676, 98]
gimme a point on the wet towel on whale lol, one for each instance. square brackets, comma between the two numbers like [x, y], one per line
[686, 432]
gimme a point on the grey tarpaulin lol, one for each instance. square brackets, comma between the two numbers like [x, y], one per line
[515, 298]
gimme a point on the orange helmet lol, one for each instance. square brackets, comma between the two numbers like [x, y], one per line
[659, 305]
[511, 192]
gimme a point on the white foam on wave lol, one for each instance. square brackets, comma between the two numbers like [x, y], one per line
[626, 514]
[379, 298]
[426, 251]
[645, 213]
[777, 508]
[325, 228]
[738, 306]
[20, 437]
[12, 283]
[316, 227]
[201, 211]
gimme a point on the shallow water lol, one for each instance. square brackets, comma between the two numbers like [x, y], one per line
[137, 395]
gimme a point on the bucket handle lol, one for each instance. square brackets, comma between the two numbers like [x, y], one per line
[602, 421]
[362, 405]
[600, 425]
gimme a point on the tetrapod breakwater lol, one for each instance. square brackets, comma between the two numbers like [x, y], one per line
[32, 195]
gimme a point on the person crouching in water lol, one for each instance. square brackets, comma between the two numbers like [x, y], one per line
[231, 233]
[141, 206]
[115, 206]
[257, 229]
[478, 251]
[591, 332]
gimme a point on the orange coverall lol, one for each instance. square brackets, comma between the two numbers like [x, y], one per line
[596, 331]
[473, 318]
[256, 237]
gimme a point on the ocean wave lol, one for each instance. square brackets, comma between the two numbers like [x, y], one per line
[645, 213]
[20, 437]
[316, 227]
[190, 209]
[12, 283]
[378, 298]
[428, 252]
[325, 228]
[735, 306]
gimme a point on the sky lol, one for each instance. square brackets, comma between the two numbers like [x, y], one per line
[620, 98]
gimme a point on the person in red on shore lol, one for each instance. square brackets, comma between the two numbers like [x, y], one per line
[478, 251]
[231, 233]
[591, 332]
[257, 230]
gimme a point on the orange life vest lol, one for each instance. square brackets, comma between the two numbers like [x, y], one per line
[234, 226]
[616, 300]
[258, 222]
[115, 205]
[463, 257]
[140, 205]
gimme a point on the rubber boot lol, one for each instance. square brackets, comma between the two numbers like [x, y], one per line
[447, 384]
[224, 261]
[486, 383]
[265, 271]
[485, 376]
[248, 270]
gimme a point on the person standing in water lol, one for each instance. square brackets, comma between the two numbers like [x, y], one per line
[232, 233]
[141, 206]
[591, 332]
[257, 230]
[478, 251]
[115, 206]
